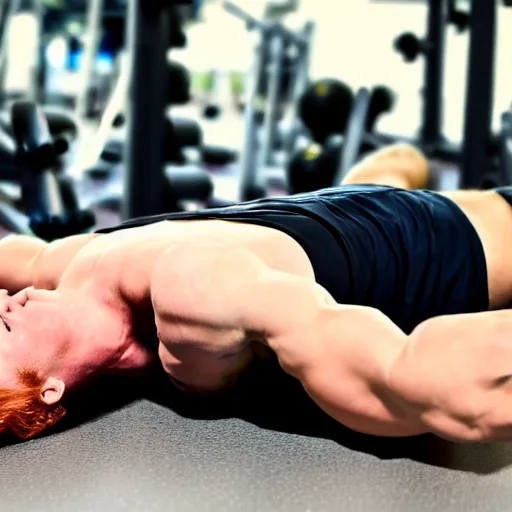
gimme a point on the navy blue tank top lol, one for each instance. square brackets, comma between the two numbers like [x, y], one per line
[411, 254]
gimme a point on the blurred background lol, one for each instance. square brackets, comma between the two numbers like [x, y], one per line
[353, 42]
[233, 101]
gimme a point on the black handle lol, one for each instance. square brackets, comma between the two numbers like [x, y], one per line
[30, 127]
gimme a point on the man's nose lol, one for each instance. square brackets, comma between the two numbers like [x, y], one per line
[4, 300]
[21, 298]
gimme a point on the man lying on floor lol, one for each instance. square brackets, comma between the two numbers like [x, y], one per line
[376, 297]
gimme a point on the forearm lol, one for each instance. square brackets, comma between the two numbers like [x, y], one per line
[456, 372]
[451, 376]
[18, 254]
[343, 362]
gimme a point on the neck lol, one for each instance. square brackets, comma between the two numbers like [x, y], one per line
[101, 343]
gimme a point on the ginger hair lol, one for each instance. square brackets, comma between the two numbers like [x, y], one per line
[23, 412]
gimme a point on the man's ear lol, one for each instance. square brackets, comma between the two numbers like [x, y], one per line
[52, 391]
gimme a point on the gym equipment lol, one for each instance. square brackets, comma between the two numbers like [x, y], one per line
[354, 136]
[441, 13]
[208, 94]
[505, 144]
[278, 9]
[177, 37]
[274, 40]
[313, 167]
[325, 107]
[179, 78]
[217, 155]
[48, 203]
[61, 123]
[382, 101]
[180, 133]
[91, 45]
[149, 187]
[317, 167]
[485, 161]
[147, 45]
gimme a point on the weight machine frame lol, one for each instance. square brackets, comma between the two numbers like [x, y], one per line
[430, 138]
[477, 142]
[273, 36]
[148, 36]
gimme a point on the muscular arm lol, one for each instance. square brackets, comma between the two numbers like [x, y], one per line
[450, 376]
[28, 261]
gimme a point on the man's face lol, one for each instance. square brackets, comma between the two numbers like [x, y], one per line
[27, 320]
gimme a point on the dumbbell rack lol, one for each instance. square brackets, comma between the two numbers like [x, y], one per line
[49, 207]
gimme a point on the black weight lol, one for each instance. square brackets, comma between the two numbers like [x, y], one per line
[101, 171]
[179, 80]
[68, 195]
[459, 19]
[325, 107]
[354, 136]
[313, 168]
[47, 227]
[185, 185]
[254, 192]
[211, 112]
[217, 155]
[179, 133]
[505, 145]
[119, 120]
[177, 37]
[113, 151]
[61, 122]
[172, 149]
[382, 101]
[188, 132]
[409, 46]
[30, 130]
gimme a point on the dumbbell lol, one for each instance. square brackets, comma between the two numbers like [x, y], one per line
[212, 111]
[314, 167]
[409, 46]
[382, 101]
[217, 155]
[325, 107]
[178, 38]
[179, 80]
[50, 205]
[179, 133]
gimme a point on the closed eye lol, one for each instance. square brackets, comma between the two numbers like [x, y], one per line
[6, 325]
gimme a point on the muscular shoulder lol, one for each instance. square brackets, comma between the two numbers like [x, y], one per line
[54, 260]
[203, 283]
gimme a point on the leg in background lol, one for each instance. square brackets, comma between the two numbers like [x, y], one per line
[399, 165]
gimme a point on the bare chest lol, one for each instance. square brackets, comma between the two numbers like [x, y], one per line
[125, 259]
